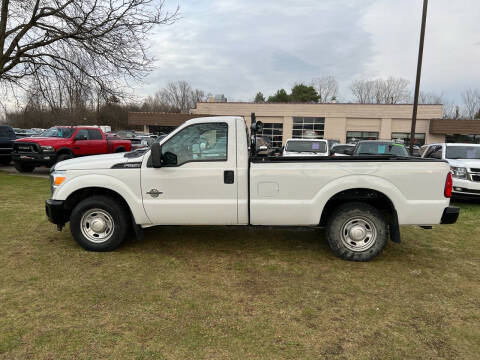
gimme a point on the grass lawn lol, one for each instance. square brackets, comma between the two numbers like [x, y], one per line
[217, 293]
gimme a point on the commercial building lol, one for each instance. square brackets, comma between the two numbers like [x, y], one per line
[342, 122]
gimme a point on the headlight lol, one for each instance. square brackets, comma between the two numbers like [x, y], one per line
[48, 148]
[459, 172]
[57, 179]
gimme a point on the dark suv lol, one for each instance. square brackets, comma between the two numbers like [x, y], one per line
[7, 137]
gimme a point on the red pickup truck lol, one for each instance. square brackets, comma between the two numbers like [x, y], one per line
[61, 143]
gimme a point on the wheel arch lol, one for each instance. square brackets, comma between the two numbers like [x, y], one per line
[64, 150]
[81, 194]
[375, 198]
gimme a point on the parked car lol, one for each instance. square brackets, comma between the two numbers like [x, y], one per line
[140, 142]
[7, 137]
[202, 174]
[464, 160]
[306, 147]
[332, 143]
[22, 133]
[379, 147]
[61, 143]
[342, 149]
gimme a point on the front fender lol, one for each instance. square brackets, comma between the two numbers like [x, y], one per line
[130, 193]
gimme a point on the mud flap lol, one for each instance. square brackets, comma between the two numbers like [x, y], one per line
[394, 229]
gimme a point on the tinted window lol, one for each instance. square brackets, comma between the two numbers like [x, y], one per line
[381, 148]
[463, 152]
[94, 134]
[200, 142]
[434, 151]
[340, 149]
[307, 146]
[82, 133]
[7, 132]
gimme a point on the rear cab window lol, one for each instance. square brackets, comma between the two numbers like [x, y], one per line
[306, 146]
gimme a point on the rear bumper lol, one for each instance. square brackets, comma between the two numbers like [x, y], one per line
[450, 215]
[40, 159]
[56, 212]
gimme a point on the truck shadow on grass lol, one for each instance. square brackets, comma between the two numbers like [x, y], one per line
[262, 240]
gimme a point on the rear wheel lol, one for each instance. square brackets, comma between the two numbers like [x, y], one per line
[24, 167]
[357, 232]
[99, 223]
[120, 150]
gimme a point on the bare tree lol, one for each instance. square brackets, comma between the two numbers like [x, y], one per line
[102, 40]
[430, 98]
[327, 88]
[363, 91]
[381, 91]
[471, 100]
[177, 96]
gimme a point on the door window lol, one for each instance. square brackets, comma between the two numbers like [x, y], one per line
[94, 134]
[82, 134]
[434, 151]
[199, 142]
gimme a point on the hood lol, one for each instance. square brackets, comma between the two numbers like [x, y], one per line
[42, 140]
[96, 162]
[467, 163]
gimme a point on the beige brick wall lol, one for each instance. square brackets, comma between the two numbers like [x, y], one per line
[339, 118]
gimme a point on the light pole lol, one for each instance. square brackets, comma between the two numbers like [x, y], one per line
[419, 74]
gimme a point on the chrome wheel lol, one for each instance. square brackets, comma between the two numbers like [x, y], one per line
[97, 225]
[358, 234]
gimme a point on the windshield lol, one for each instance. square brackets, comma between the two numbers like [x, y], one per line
[60, 132]
[307, 146]
[463, 152]
[381, 148]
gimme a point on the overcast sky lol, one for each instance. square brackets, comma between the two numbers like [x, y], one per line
[239, 47]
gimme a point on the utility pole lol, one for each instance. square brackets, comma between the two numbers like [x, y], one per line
[419, 74]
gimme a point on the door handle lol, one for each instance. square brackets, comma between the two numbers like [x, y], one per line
[228, 177]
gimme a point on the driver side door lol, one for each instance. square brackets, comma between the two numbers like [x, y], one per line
[197, 184]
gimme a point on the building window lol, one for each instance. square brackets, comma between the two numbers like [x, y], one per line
[308, 127]
[273, 132]
[469, 139]
[354, 136]
[419, 138]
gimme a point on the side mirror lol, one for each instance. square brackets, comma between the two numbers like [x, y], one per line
[348, 151]
[156, 154]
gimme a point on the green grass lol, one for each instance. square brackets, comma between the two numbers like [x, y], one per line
[217, 293]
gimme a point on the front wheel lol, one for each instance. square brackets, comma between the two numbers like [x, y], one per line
[24, 167]
[99, 223]
[357, 232]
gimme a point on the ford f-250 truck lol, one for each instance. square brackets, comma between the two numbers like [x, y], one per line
[61, 143]
[203, 174]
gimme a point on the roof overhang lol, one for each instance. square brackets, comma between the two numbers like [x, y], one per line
[451, 127]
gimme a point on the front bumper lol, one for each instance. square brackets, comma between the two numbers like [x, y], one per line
[450, 215]
[463, 187]
[37, 158]
[56, 212]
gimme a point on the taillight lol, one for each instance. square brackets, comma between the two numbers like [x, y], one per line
[448, 186]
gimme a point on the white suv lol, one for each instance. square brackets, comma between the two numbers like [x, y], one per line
[464, 160]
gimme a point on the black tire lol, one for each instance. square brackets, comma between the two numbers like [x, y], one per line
[120, 150]
[24, 167]
[107, 205]
[5, 161]
[359, 217]
[62, 157]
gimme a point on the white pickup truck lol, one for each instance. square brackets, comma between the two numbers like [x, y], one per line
[204, 174]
